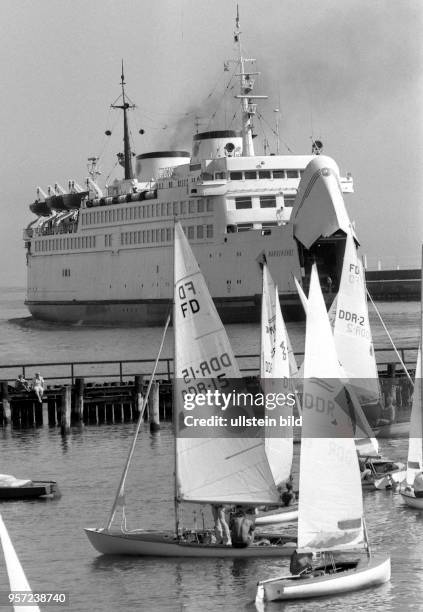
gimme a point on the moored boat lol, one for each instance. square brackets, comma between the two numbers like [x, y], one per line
[12, 488]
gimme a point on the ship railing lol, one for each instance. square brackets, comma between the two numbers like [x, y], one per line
[125, 369]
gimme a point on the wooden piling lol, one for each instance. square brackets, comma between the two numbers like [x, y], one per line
[79, 399]
[153, 408]
[65, 416]
[5, 402]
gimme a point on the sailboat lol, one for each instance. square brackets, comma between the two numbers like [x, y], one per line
[19, 588]
[354, 346]
[218, 469]
[277, 367]
[415, 448]
[331, 523]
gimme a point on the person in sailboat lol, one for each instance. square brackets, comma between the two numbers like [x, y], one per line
[418, 485]
[221, 527]
[365, 471]
[388, 413]
[242, 529]
[288, 496]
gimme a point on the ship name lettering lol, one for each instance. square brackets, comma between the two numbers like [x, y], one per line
[281, 253]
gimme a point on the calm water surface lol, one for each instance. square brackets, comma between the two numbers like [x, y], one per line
[49, 537]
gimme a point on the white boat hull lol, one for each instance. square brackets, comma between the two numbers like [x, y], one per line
[164, 544]
[276, 518]
[367, 573]
[411, 500]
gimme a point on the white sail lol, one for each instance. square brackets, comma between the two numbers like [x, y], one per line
[217, 469]
[278, 365]
[353, 336]
[415, 451]
[330, 503]
[17, 579]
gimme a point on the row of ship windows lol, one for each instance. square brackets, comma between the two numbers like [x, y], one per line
[160, 209]
[60, 244]
[239, 175]
[165, 234]
[267, 201]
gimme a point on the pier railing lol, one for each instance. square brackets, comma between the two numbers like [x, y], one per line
[125, 369]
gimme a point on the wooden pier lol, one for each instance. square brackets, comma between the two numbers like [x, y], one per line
[71, 398]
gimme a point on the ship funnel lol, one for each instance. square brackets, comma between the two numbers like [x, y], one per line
[153, 165]
[221, 143]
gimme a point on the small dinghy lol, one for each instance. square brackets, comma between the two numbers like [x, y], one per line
[332, 538]
[15, 488]
[276, 517]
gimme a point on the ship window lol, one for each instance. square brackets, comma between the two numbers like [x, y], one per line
[157, 209]
[163, 209]
[210, 205]
[250, 174]
[162, 235]
[209, 230]
[289, 201]
[268, 201]
[169, 208]
[220, 175]
[264, 174]
[168, 234]
[200, 231]
[278, 174]
[292, 173]
[244, 227]
[191, 232]
[236, 176]
[200, 206]
[131, 237]
[184, 208]
[148, 235]
[243, 202]
[176, 208]
[192, 206]
[157, 235]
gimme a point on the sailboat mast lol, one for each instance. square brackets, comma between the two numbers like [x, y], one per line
[174, 400]
[127, 153]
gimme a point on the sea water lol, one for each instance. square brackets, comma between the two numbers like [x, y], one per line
[48, 535]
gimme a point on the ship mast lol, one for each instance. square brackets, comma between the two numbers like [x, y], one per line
[248, 108]
[127, 153]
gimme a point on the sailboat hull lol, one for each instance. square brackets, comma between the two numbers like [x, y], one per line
[366, 573]
[164, 544]
[411, 500]
[390, 479]
[287, 515]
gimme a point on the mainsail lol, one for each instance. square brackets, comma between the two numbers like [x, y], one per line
[277, 366]
[217, 469]
[330, 503]
[353, 336]
[415, 450]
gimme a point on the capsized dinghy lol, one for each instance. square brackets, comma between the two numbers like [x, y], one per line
[332, 522]
[220, 470]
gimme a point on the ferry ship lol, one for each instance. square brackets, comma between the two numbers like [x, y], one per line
[100, 258]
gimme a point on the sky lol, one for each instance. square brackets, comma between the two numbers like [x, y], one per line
[349, 72]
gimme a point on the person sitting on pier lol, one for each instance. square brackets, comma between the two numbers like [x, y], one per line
[38, 386]
[221, 527]
[242, 529]
[21, 384]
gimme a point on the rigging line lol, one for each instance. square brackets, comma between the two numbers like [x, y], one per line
[274, 132]
[140, 421]
[390, 338]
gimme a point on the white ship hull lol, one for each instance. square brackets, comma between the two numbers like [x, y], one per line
[164, 544]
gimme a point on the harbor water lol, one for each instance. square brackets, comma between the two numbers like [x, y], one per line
[48, 535]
